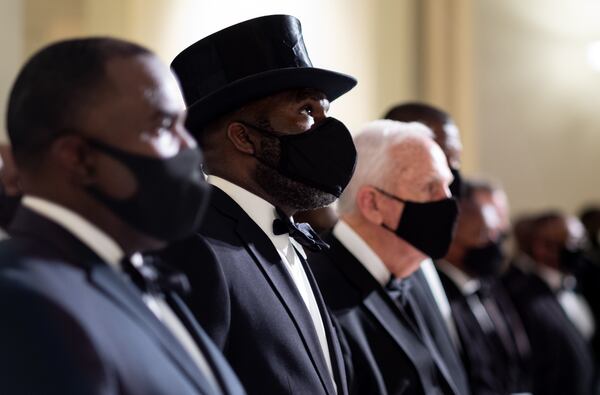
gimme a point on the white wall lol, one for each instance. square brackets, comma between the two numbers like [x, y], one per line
[11, 42]
[375, 41]
[538, 101]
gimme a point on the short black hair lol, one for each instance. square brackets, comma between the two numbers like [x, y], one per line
[54, 87]
[470, 186]
[417, 112]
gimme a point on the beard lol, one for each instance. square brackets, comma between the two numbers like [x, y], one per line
[283, 190]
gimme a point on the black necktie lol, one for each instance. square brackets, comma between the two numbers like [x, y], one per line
[398, 291]
[154, 277]
[302, 232]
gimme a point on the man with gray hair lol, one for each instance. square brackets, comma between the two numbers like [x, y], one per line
[396, 211]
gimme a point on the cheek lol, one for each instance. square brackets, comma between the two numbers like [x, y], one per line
[393, 214]
[114, 178]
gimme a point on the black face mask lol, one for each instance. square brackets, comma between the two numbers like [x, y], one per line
[323, 157]
[429, 226]
[171, 193]
[485, 261]
[456, 188]
[571, 260]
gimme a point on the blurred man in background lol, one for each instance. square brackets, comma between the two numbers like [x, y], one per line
[494, 344]
[558, 321]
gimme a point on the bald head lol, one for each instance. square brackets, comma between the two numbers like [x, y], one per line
[446, 134]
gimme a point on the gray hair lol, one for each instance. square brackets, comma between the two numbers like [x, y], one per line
[375, 162]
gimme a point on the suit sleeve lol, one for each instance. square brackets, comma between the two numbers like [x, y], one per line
[209, 299]
[43, 350]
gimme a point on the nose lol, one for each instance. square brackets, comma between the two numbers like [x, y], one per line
[185, 138]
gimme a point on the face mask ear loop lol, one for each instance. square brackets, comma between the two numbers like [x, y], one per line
[389, 195]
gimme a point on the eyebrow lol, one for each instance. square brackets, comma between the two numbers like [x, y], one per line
[304, 94]
[158, 114]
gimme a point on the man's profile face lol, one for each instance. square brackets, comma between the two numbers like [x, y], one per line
[287, 113]
[566, 232]
[422, 175]
[296, 111]
[479, 222]
[142, 112]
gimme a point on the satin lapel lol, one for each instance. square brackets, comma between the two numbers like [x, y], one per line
[451, 356]
[224, 375]
[269, 261]
[335, 351]
[129, 299]
[439, 361]
[29, 224]
[376, 300]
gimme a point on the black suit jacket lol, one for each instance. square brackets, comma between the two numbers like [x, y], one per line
[73, 325]
[439, 331]
[561, 357]
[493, 369]
[248, 303]
[386, 351]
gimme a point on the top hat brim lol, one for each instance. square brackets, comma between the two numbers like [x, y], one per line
[257, 86]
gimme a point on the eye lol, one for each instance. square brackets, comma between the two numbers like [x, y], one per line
[308, 109]
[166, 122]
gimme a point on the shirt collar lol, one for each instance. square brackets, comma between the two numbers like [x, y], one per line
[259, 210]
[467, 284]
[550, 276]
[362, 252]
[89, 234]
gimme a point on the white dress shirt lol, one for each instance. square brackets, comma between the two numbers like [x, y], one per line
[263, 214]
[573, 304]
[362, 252]
[107, 249]
[439, 295]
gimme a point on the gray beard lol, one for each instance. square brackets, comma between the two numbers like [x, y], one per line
[284, 191]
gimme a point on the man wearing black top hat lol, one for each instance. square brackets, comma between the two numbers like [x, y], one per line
[258, 108]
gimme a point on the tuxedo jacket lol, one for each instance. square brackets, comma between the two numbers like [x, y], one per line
[248, 303]
[492, 368]
[385, 348]
[561, 357]
[432, 316]
[72, 325]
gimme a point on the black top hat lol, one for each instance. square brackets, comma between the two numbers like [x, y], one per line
[248, 61]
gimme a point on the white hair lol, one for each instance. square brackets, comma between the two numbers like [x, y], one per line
[374, 162]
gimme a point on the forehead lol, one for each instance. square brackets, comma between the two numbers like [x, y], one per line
[290, 97]
[419, 160]
[143, 81]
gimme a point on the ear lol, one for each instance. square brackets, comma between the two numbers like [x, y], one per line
[368, 203]
[239, 136]
[75, 158]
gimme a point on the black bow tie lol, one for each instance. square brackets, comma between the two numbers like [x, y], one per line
[398, 290]
[303, 233]
[154, 277]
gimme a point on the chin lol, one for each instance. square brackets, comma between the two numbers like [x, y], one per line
[290, 193]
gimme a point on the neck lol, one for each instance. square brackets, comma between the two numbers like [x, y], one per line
[455, 256]
[247, 182]
[399, 257]
[126, 237]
